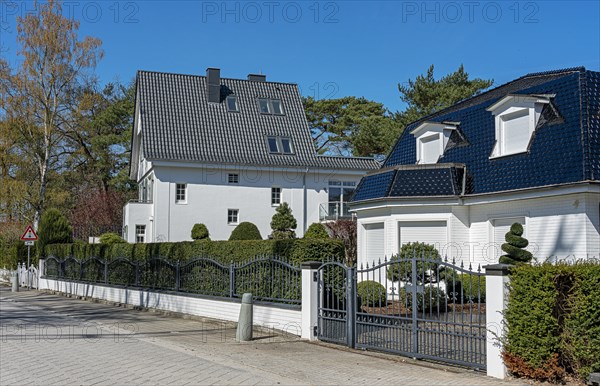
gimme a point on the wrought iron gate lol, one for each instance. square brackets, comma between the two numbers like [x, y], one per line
[372, 308]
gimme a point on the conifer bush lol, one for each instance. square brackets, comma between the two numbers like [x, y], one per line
[283, 223]
[514, 246]
[54, 228]
[111, 238]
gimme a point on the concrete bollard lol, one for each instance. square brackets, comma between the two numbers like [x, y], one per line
[244, 327]
[14, 281]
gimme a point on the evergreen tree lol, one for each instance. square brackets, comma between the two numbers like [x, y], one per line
[515, 254]
[54, 229]
[283, 223]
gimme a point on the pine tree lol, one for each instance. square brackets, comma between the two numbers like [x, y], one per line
[283, 223]
[515, 254]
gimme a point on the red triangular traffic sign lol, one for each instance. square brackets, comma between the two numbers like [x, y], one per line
[29, 234]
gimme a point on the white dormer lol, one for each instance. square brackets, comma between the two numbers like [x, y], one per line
[516, 117]
[432, 138]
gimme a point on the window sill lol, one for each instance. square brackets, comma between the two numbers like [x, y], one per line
[508, 154]
[275, 205]
[233, 223]
[181, 203]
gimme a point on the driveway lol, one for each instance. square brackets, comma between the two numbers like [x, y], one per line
[50, 339]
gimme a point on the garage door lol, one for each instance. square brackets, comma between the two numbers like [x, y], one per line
[502, 226]
[429, 232]
[375, 249]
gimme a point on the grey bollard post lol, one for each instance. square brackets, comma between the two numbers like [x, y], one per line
[244, 327]
[14, 281]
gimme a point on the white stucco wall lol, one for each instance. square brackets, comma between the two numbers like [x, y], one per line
[209, 196]
[561, 225]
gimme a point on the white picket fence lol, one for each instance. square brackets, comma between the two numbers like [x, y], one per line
[27, 277]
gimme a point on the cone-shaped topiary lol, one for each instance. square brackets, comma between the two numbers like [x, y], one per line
[283, 223]
[316, 231]
[200, 232]
[514, 245]
[54, 228]
[245, 231]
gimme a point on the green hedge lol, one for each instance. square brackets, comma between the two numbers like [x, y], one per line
[225, 252]
[553, 320]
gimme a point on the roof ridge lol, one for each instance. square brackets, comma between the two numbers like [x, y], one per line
[204, 76]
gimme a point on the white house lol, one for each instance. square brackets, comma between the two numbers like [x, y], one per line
[220, 151]
[527, 151]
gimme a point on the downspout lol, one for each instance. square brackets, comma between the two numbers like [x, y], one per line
[169, 216]
[304, 202]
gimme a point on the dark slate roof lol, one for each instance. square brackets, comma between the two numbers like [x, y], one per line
[179, 124]
[565, 147]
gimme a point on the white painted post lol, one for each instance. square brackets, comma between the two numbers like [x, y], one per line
[310, 289]
[496, 299]
[41, 268]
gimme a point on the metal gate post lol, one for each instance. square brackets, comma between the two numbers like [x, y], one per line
[415, 306]
[351, 306]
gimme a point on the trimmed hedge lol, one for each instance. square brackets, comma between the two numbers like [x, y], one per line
[553, 321]
[317, 231]
[200, 232]
[225, 252]
[111, 238]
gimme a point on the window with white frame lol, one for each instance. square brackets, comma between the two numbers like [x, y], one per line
[140, 233]
[233, 216]
[270, 106]
[275, 196]
[233, 178]
[516, 118]
[180, 193]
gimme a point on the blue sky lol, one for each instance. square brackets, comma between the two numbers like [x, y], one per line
[333, 48]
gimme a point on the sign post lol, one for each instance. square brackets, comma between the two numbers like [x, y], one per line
[30, 238]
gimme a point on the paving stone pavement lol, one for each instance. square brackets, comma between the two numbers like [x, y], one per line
[51, 339]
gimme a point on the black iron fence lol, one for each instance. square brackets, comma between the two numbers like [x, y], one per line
[268, 278]
[422, 307]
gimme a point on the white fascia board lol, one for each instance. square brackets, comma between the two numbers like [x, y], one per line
[526, 194]
[394, 203]
[518, 99]
[135, 151]
[298, 169]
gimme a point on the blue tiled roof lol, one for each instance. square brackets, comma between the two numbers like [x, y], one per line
[564, 150]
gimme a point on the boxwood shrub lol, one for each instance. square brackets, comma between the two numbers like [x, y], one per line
[371, 293]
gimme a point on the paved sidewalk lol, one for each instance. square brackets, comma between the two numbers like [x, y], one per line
[49, 339]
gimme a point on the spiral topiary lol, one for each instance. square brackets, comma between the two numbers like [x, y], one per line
[515, 254]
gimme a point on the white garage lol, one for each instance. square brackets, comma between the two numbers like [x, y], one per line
[428, 232]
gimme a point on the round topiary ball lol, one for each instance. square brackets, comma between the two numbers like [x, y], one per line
[316, 231]
[371, 293]
[200, 232]
[245, 231]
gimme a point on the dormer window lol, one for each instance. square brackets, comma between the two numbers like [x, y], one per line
[432, 138]
[232, 104]
[516, 117]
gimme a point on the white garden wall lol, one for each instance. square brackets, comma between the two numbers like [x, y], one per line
[284, 319]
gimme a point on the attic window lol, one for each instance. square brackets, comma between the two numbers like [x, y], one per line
[280, 145]
[516, 117]
[432, 139]
[232, 104]
[270, 106]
